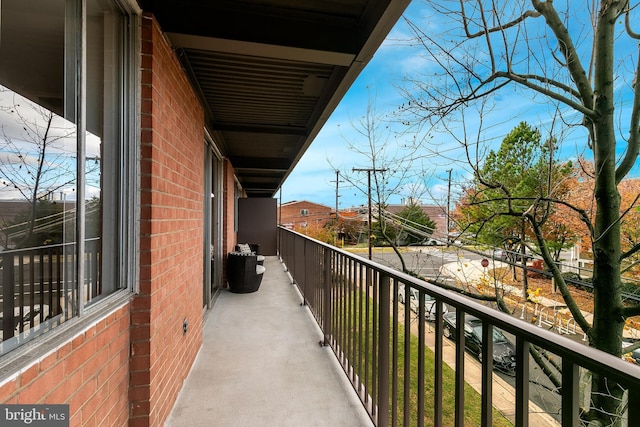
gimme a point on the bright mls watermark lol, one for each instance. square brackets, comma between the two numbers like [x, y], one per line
[34, 415]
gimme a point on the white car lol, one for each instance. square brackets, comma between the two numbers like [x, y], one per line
[429, 302]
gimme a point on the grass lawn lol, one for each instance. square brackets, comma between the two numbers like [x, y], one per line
[472, 400]
[360, 340]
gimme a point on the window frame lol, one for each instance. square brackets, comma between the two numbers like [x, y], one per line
[126, 150]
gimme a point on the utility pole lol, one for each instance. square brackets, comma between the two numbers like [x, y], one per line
[448, 206]
[368, 171]
[337, 193]
[337, 216]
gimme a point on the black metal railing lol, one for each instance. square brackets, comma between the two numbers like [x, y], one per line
[38, 284]
[399, 376]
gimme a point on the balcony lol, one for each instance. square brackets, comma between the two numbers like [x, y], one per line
[261, 360]
[261, 364]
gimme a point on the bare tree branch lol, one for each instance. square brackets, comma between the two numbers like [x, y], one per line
[627, 22]
[572, 305]
[630, 252]
[633, 310]
[568, 50]
[634, 130]
[499, 28]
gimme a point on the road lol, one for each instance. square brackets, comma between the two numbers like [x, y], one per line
[425, 260]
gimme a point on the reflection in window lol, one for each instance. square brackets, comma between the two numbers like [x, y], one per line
[38, 162]
[38, 171]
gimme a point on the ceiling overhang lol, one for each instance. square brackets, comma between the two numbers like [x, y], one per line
[269, 73]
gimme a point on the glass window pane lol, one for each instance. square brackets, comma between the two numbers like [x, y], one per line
[37, 169]
[105, 50]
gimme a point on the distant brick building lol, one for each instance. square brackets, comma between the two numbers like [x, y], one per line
[298, 215]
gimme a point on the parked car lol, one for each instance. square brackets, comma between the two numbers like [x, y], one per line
[504, 352]
[429, 302]
[499, 254]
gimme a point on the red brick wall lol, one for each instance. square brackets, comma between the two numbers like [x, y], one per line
[318, 215]
[229, 232]
[90, 373]
[229, 235]
[171, 235]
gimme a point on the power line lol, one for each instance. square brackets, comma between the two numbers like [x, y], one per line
[368, 171]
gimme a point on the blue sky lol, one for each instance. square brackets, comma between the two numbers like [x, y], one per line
[314, 177]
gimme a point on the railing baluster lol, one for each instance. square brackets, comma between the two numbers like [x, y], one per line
[304, 272]
[59, 255]
[319, 281]
[522, 382]
[350, 319]
[486, 417]
[334, 300]
[343, 311]
[439, 362]
[459, 377]
[407, 356]
[394, 355]
[367, 330]
[383, 352]
[570, 394]
[634, 404]
[361, 354]
[421, 349]
[41, 286]
[374, 333]
[326, 321]
[357, 288]
[7, 299]
[32, 287]
[21, 290]
[96, 267]
[50, 281]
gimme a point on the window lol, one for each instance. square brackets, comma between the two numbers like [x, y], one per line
[304, 212]
[63, 161]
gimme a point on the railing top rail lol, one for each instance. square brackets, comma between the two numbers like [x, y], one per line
[614, 368]
[43, 247]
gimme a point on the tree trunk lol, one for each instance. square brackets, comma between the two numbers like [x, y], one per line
[607, 321]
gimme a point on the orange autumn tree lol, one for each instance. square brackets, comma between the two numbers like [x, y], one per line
[323, 232]
[630, 229]
[581, 196]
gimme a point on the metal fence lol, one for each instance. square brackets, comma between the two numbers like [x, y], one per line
[400, 382]
[38, 285]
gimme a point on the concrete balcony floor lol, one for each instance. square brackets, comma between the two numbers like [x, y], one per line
[261, 365]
